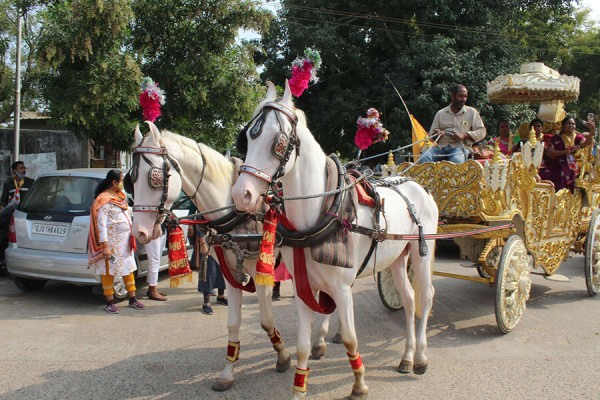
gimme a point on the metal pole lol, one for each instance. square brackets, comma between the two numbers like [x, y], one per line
[17, 91]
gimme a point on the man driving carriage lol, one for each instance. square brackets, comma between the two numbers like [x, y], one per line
[459, 126]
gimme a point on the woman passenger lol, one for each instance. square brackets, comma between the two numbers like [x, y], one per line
[560, 166]
[505, 139]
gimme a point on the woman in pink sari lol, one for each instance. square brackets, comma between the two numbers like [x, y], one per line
[559, 159]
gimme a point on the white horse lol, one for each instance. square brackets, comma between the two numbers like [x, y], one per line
[281, 147]
[166, 163]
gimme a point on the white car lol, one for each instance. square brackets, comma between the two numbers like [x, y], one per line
[48, 234]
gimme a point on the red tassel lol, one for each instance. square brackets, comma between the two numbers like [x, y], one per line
[266, 259]
[179, 265]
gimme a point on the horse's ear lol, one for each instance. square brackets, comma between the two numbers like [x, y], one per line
[154, 131]
[137, 136]
[287, 95]
[271, 92]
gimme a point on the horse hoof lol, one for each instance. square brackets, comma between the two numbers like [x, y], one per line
[318, 352]
[285, 365]
[420, 369]
[360, 394]
[337, 338]
[405, 367]
[222, 385]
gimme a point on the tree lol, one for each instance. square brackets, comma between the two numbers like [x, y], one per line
[190, 49]
[424, 50]
[31, 29]
[91, 82]
[580, 57]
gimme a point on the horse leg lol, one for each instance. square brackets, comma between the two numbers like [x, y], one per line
[337, 338]
[234, 320]
[265, 302]
[400, 276]
[345, 309]
[319, 344]
[423, 277]
[305, 321]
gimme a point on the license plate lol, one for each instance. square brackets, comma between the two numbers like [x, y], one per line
[53, 230]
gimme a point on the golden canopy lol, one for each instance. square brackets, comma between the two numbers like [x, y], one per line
[536, 83]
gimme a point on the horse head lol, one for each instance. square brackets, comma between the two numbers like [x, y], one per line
[156, 182]
[271, 145]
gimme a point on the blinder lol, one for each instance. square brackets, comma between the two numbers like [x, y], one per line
[241, 143]
[283, 144]
[156, 177]
[280, 145]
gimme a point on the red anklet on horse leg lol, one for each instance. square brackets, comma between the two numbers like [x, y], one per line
[275, 337]
[301, 380]
[356, 362]
[233, 351]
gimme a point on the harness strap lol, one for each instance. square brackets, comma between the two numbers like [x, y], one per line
[423, 250]
[256, 172]
[374, 242]
[280, 107]
[152, 150]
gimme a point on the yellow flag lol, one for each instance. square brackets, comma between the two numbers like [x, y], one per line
[418, 133]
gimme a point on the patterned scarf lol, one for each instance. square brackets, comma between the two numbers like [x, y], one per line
[119, 199]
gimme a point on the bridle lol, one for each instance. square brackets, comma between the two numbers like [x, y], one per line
[158, 178]
[283, 145]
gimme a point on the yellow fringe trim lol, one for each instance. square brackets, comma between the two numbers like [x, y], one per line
[175, 281]
[264, 279]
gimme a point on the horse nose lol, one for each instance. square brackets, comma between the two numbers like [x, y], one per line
[142, 237]
[244, 199]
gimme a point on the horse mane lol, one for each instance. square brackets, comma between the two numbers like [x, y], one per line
[218, 167]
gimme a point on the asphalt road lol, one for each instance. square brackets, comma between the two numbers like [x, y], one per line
[58, 343]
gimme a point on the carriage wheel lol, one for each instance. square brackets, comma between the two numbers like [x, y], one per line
[388, 293]
[592, 255]
[513, 284]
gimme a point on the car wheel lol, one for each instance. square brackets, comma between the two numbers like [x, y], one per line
[28, 285]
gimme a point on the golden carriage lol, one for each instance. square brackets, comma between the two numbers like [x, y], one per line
[537, 226]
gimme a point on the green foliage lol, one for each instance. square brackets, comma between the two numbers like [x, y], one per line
[423, 47]
[90, 83]
[190, 49]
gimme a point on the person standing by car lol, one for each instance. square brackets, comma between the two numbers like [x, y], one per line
[110, 242]
[13, 192]
[210, 276]
[154, 250]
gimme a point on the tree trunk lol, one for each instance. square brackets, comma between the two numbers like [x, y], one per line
[109, 155]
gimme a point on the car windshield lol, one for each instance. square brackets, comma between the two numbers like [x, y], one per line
[68, 194]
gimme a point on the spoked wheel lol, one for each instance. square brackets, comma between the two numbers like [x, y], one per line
[592, 255]
[513, 284]
[388, 293]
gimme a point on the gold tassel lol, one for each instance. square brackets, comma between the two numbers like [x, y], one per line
[264, 279]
